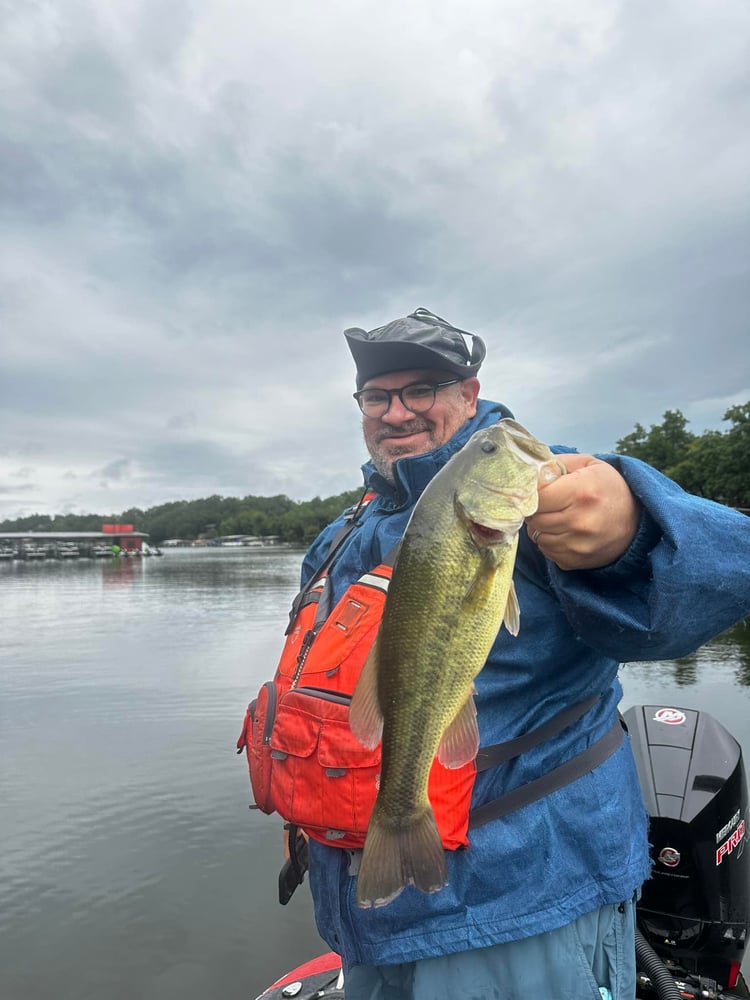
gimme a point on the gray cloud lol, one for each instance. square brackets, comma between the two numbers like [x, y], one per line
[196, 200]
[116, 470]
[13, 490]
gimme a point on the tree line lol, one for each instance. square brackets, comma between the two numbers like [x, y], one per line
[210, 517]
[715, 464]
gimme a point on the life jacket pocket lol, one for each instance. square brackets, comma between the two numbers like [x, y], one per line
[324, 780]
[255, 739]
[345, 637]
[306, 764]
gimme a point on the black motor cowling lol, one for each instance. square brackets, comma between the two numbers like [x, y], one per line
[695, 909]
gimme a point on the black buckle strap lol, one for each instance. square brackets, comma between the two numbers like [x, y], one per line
[293, 870]
[499, 753]
[558, 777]
[338, 539]
[341, 534]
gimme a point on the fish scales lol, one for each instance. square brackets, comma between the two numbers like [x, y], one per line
[451, 590]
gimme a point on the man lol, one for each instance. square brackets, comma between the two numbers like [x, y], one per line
[618, 563]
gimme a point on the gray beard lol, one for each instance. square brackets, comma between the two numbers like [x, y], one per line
[385, 465]
[384, 468]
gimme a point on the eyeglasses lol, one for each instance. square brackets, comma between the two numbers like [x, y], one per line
[416, 397]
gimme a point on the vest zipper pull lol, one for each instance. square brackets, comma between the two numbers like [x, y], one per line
[307, 641]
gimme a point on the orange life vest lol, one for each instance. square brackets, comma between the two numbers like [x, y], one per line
[304, 762]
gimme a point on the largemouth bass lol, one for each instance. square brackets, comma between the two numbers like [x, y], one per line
[452, 589]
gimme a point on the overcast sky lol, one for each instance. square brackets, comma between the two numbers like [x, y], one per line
[197, 198]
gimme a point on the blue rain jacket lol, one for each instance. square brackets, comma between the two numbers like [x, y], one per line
[684, 579]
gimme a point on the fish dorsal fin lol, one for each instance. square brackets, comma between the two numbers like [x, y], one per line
[460, 741]
[512, 615]
[365, 716]
[523, 443]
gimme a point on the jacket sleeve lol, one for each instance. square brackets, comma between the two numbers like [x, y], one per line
[684, 579]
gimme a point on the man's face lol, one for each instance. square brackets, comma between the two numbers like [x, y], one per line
[399, 432]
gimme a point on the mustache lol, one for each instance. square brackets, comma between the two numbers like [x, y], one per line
[412, 427]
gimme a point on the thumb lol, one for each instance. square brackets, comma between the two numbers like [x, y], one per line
[574, 461]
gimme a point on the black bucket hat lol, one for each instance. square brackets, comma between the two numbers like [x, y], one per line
[419, 340]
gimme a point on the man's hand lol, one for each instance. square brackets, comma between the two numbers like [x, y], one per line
[585, 519]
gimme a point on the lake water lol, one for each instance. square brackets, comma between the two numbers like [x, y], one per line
[130, 865]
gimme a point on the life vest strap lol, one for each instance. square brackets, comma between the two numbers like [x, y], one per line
[352, 518]
[499, 753]
[293, 870]
[558, 777]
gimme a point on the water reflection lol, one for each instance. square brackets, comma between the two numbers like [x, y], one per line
[729, 651]
[735, 645]
[121, 571]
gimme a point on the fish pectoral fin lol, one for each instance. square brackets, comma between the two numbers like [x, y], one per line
[480, 586]
[460, 741]
[365, 716]
[512, 616]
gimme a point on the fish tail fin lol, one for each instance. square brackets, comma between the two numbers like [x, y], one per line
[399, 854]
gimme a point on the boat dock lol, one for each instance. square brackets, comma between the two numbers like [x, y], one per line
[113, 541]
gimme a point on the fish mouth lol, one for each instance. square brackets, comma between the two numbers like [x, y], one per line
[483, 527]
[493, 534]
[486, 534]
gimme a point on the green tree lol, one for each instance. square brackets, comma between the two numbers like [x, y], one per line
[715, 465]
[735, 479]
[700, 470]
[663, 446]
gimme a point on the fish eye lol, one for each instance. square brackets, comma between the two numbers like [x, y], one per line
[489, 447]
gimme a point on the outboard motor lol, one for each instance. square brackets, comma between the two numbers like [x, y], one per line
[694, 912]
